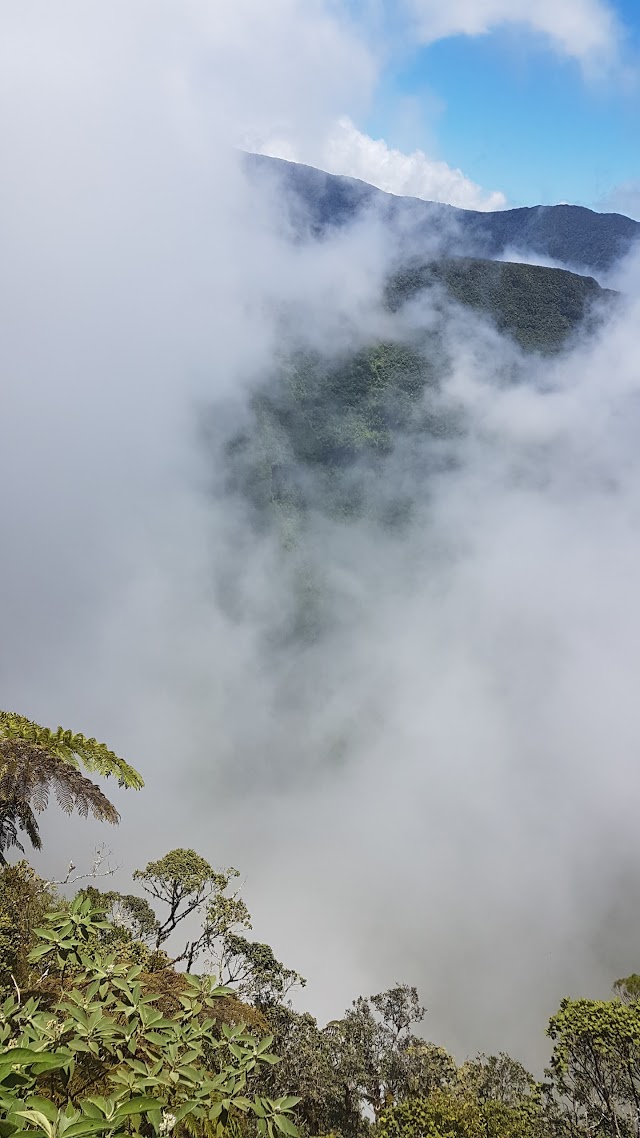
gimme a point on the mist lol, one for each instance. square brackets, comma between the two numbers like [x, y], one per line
[440, 788]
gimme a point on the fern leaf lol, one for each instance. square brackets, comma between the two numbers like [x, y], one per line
[31, 765]
[72, 749]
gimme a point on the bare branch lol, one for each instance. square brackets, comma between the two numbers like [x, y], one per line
[101, 854]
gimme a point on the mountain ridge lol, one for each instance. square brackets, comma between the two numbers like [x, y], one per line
[574, 235]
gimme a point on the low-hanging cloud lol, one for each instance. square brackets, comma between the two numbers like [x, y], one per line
[442, 787]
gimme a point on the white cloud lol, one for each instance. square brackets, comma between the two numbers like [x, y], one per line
[347, 150]
[586, 30]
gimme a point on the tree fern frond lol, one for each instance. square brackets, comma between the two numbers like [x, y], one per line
[39, 795]
[9, 830]
[26, 820]
[64, 797]
[28, 772]
[72, 749]
[14, 816]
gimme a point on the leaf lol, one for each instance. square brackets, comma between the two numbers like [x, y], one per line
[19, 1133]
[25, 1056]
[138, 1105]
[191, 1056]
[242, 1103]
[190, 1074]
[6, 1072]
[91, 1109]
[184, 1109]
[38, 1119]
[44, 1105]
[88, 1126]
[285, 1125]
[38, 952]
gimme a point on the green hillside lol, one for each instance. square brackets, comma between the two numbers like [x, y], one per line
[539, 307]
[319, 426]
[316, 420]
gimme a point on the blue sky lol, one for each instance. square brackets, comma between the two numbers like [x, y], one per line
[518, 116]
[492, 103]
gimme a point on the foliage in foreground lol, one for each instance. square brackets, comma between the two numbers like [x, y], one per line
[100, 1034]
[96, 1055]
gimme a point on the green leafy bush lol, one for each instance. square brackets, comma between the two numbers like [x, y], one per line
[99, 1056]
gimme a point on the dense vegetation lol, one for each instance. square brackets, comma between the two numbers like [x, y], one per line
[319, 428]
[115, 1022]
[569, 234]
[322, 428]
[539, 307]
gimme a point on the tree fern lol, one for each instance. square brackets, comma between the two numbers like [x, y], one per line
[35, 761]
[72, 749]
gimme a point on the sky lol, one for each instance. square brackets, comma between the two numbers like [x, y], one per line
[491, 103]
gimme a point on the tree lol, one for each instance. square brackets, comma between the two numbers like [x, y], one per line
[399, 1008]
[448, 1115]
[35, 761]
[186, 883]
[255, 971]
[310, 1068]
[595, 1066]
[25, 898]
[497, 1078]
[375, 1046]
[628, 989]
[354, 1066]
[349, 1069]
[425, 1067]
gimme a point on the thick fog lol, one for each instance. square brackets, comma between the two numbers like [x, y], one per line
[442, 788]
